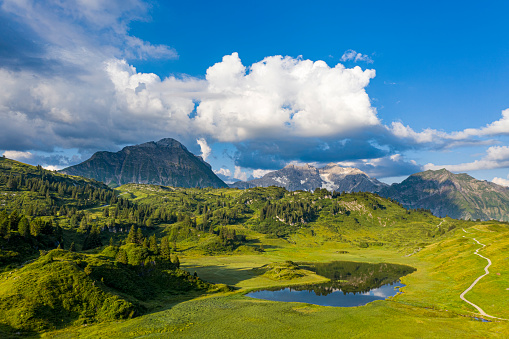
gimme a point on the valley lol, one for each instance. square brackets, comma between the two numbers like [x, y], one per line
[164, 261]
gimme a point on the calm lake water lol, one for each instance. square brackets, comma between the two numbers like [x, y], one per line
[352, 284]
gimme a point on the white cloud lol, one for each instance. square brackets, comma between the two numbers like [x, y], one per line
[442, 139]
[52, 167]
[501, 181]
[85, 95]
[258, 173]
[142, 50]
[224, 171]
[205, 148]
[352, 55]
[496, 157]
[394, 165]
[239, 174]
[17, 155]
[283, 97]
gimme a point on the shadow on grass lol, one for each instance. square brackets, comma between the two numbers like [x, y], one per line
[257, 242]
[7, 332]
[219, 274]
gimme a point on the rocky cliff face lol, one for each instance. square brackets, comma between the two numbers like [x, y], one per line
[332, 177]
[456, 195]
[165, 162]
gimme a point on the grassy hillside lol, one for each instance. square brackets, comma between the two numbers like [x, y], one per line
[63, 288]
[429, 306]
[117, 269]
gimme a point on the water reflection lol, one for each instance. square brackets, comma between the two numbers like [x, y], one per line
[352, 284]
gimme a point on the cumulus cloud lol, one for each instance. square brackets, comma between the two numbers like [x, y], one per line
[239, 174]
[224, 171]
[52, 167]
[495, 157]
[67, 82]
[352, 55]
[205, 148]
[283, 97]
[501, 181]
[439, 139]
[16, 155]
[258, 173]
[224, 174]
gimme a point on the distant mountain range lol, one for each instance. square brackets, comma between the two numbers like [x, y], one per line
[165, 162]
[332, 177]
[458, 196]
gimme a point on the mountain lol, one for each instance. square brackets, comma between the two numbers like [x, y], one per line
[165, 162]
[332, 177]
[458, 196]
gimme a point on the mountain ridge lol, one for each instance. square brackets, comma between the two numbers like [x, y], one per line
[459, 196]
[306, 177]
[165, 162]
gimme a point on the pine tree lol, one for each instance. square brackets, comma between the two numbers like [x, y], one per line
[4, 228]
[83, 224]
[24, 227]
[153, 244]
[72, 248]
[139, 237]
[165, 248]
[111, 241]
[131, 237]
[13, 221]
[121, 256]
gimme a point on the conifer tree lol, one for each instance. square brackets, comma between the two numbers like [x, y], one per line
[13, 221]
[165, 248]
[153, 244]
[121, 256]
[139, 237]
[4, 227]
[83, 224]
[131, 237]
[24, 227]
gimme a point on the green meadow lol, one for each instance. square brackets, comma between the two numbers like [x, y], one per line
[79, 259]
[428, 307]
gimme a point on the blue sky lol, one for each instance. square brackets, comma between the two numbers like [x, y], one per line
[390, 87]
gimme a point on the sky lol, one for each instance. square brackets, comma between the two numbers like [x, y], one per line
[392, 88]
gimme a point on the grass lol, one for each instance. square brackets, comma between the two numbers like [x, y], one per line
[374, 230]
[428, 307]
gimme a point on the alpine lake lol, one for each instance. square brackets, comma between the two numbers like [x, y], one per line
[351, 284]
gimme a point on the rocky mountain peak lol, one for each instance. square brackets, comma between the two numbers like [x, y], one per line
[333, 168]
[456, 195]
[303, 167]
[306, 177]
[165, 162]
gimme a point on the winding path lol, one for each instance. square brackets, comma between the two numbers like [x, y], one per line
[462, 295]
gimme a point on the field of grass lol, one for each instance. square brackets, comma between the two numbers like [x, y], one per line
[428, 307]
[244, 239]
